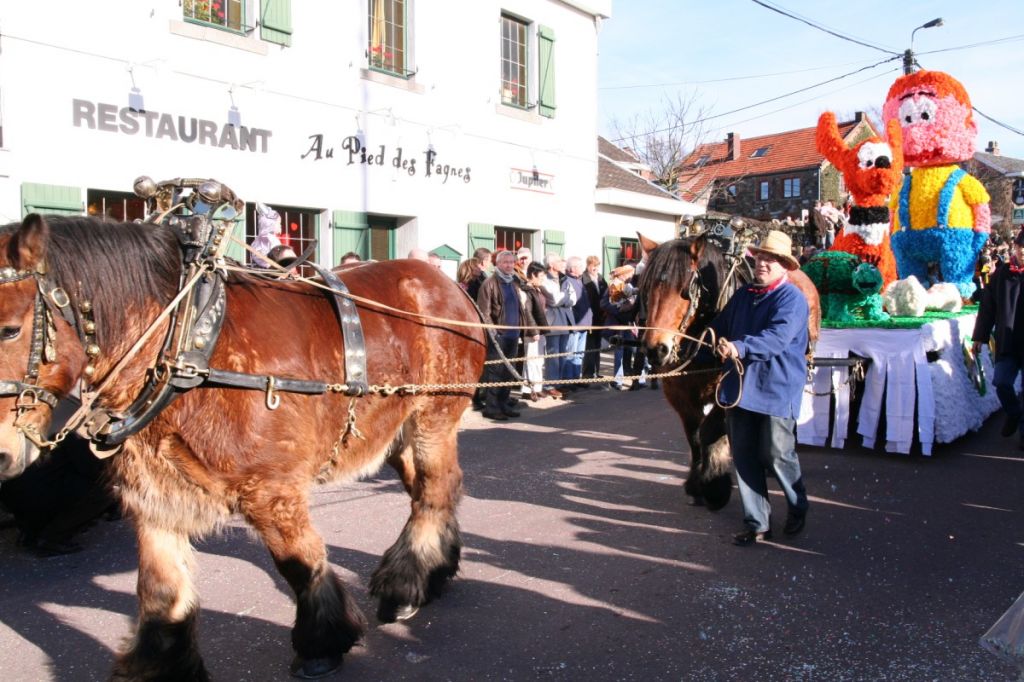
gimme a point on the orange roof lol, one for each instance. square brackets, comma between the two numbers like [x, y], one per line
[791, 150]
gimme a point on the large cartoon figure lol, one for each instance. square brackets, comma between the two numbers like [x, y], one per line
[872, 170]
[941, 214]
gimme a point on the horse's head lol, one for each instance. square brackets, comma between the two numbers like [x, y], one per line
[680, 288]
[40, 353]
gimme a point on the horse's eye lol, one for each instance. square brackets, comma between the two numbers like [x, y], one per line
[9, 333]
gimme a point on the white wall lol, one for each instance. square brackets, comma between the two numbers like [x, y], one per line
[316, 86]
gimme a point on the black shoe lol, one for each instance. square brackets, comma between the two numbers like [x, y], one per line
[1010, 426]
[635, 386]
[509, 412]
[496, 416]
[794, 524]
[751, 537]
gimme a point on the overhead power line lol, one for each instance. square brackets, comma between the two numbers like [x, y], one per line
[757, 104]
[811, 99]
[998, 123]
[984, 43]
[787, 13]
[729, 78]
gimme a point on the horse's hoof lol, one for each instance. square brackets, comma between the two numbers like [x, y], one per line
[389, 611]
[314, 668]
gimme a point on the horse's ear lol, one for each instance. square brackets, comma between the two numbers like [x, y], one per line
[647, 244]
[27, 248]
[697, 246]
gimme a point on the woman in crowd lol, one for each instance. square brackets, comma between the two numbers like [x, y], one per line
[534, 338]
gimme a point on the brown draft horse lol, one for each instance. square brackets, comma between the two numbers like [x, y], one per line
[214, 452]
[694, 273]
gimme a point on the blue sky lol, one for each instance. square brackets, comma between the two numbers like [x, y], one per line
[648, 42]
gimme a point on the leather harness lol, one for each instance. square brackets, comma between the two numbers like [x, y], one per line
[194, 328]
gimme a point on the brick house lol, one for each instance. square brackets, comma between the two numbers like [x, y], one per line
[771, 176]
[998, 173]
[627, 202]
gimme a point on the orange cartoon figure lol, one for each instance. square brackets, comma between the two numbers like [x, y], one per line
[872, 171]
[942, 214]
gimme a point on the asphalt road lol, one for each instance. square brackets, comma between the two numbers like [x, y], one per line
[584, 562]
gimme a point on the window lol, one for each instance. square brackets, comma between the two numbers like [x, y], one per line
[122, 206]
[762, 193]
[513, 239]
[382, 237]
[514, 62]
[387, 49]
[629, 251]
[791, 187]
[704, 158]
[298, 231]
[731, 189]
[759, 152]
[226, 14]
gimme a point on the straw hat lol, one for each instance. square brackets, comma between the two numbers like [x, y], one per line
[778, 244]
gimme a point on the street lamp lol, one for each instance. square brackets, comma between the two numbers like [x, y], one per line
[908, 56]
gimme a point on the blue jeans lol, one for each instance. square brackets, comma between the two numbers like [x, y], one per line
[572, 365]
[553, 366]
[1004, 378]
[761, 443]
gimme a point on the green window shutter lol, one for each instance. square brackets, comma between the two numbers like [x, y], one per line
[234, 249]
[554, 242]
[612, 247]
[546, 62]
[276, 21]
[58, 199]
[480, 235]
[351, 233]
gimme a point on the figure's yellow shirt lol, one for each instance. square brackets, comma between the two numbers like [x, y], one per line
[925, 187]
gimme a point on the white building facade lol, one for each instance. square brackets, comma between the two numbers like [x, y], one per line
[373, 126]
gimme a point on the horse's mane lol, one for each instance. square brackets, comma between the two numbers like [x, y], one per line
[114, 265]
[669, 264]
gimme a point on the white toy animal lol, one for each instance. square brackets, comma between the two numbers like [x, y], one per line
[907, 298]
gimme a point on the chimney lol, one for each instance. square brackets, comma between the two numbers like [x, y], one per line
[859, 117]
[993, 148]
[733, 142]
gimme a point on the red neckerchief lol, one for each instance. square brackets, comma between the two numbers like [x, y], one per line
[756, 291]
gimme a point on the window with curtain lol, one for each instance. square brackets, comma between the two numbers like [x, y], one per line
[298, 231]
[387, 50]
[122, 206]
[514, 62]
[227, 14]
[512, 239]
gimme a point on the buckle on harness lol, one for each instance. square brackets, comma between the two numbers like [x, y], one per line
[273, 399]
[27, 400]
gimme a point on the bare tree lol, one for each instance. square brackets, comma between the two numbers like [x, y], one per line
[664, 135]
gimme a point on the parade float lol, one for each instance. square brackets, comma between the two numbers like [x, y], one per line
[894, 283]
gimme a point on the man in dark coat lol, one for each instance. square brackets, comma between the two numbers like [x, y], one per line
[1002, 307]
[593, 282]
[502, 302]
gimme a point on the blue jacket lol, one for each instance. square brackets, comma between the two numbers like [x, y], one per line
[770, 334]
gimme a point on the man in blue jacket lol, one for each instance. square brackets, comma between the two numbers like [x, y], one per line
[765, 326]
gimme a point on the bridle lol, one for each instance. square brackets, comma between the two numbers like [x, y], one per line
[29, 394]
